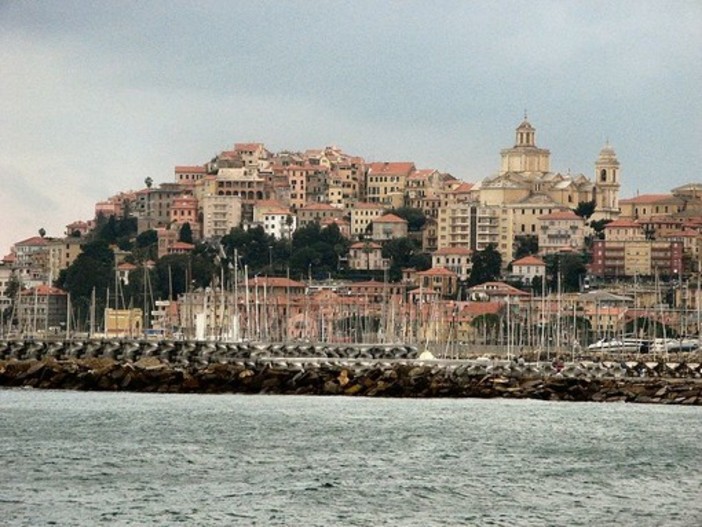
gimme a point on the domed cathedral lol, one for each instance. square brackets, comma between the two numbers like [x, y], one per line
[524, 157]
[606, 191]
[525, 177]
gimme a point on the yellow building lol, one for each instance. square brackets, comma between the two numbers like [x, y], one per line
[123, 322]
[386, 183]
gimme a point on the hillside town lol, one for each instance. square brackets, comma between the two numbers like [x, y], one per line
[324, 246]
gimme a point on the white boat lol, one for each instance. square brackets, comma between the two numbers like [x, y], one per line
[626, 345]
[669, 345]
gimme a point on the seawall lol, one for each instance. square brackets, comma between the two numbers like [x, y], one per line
[378, 378]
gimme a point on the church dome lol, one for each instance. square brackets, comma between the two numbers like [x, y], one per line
[608, 152]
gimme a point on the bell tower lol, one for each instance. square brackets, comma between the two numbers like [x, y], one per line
[606, 184]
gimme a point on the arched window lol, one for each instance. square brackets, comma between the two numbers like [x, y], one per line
[603, 175]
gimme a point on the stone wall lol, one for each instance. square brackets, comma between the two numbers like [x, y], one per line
[379, 378]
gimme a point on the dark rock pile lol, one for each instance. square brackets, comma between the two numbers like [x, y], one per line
[375, 378]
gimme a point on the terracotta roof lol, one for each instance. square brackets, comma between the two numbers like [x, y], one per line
[269, 203]
[648, 198]
[497, 289]
[562, 215]
[34, 240]
[462, 251]
[463, 187]
[389, 218]
[10, 258]
[44, 290]
[126, 266]
[437, 271]
[395, 168]
[194, 169]
[529, 260]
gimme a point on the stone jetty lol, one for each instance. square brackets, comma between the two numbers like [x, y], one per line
[382, 371]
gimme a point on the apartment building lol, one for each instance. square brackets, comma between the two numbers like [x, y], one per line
[386, 183]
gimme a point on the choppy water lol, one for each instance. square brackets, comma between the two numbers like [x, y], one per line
[85, 459]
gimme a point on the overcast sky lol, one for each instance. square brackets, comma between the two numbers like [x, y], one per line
[96, 96]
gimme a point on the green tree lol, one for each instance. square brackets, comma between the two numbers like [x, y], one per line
[598, 226]
[526, 244]
[415, 217]
[585, 209]
[185, 234]
[570, 266]
[400, 252]
[92, 269]
[486, 266]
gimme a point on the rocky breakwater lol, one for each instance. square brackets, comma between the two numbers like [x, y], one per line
[677, 383]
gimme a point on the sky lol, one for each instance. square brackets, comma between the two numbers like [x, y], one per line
[96, 96]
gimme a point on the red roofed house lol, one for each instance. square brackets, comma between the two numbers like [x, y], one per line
[184, 209]
[560, 230]
[188, 175]
[276, 286]
[386, 183]
[42, 309]
[648, 205]
[316, 212]
[367, 256]
[456, 259]
[389, 227]
[438, 279]
[362, 214]
[624, 230]
[496, 291]
[528, 268]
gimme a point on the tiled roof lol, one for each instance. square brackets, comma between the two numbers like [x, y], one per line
[185, 169]
[645, 199]
[463, 187]
[395, 168]
[390, 218]
[562, 215]
[529, 260]
[44, 290]
[498, 288]
[34, 240]
[437, 271]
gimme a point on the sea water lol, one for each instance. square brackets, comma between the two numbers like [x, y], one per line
[86, 459]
